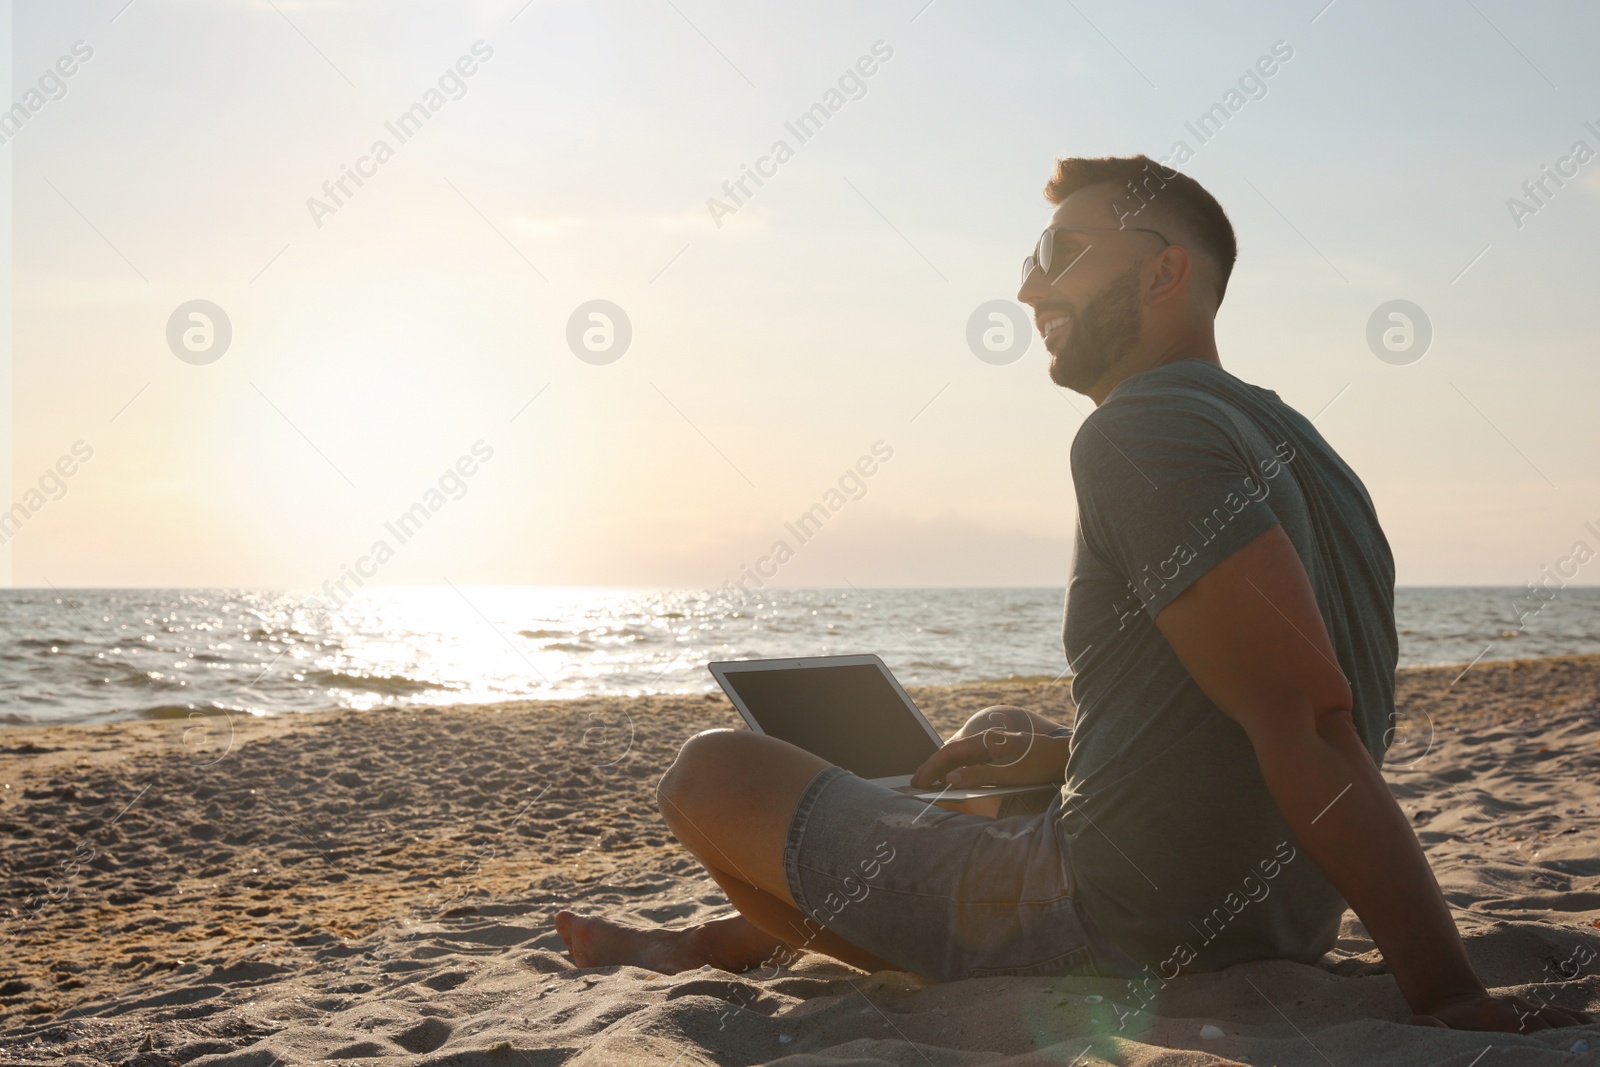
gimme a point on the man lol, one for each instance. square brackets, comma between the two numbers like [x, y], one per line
[1230, 626]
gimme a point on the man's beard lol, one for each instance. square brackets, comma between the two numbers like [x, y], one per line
[1100, 336]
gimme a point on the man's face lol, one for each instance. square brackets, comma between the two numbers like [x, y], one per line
[1088, 306]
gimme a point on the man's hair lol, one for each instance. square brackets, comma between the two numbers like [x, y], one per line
[1172, 196]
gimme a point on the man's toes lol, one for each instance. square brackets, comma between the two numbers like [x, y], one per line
[595, 942]
[580, 936]
[567, 927]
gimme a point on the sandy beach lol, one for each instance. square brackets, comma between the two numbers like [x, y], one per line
[378, 887]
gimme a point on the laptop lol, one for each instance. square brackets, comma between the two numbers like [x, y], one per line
[850, 711]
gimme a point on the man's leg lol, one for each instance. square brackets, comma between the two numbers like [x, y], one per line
[728, 797]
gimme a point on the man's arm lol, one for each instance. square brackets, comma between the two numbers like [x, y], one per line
[1250, 634]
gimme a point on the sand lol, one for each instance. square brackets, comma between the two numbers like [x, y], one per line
[378, 887]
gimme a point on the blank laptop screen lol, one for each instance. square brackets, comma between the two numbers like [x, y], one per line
[849, 715]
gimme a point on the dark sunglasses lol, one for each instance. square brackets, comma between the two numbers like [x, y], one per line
[1045, 252]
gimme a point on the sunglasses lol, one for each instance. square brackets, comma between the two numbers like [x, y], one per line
[1045, 252]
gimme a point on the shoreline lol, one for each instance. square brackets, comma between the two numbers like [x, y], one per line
[32, 752]
[38, 750]
[239, 719]
[361, 884]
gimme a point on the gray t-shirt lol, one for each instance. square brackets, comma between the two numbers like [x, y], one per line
[1180, 854]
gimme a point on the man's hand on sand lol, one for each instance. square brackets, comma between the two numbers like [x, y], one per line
[1509, 1014]
[996, 757]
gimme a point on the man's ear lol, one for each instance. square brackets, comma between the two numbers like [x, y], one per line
[1171, 271]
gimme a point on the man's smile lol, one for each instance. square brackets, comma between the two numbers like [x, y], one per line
[1053, 327]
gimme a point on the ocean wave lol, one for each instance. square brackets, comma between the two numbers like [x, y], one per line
[280, 634]
[45, 642]
[183, 711]
[395, 685]
[139, 678]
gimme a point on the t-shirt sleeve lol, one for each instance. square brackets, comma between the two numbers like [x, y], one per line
[1167, 489]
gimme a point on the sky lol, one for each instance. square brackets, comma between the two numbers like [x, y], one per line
[424, 339]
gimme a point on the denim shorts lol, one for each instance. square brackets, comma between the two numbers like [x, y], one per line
[942, 894]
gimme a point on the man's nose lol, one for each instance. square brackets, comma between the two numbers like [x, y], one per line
[1033, 288]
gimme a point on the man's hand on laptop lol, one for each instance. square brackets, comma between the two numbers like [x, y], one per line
[1001, 745]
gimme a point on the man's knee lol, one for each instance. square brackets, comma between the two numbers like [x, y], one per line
[718, 768]
[695, 766]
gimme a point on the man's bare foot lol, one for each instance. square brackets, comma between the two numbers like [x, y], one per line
[731, 944]
[597, 942]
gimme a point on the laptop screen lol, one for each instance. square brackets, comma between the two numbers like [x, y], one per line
[848, 714]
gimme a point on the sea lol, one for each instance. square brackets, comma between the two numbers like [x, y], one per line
[91, 656]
